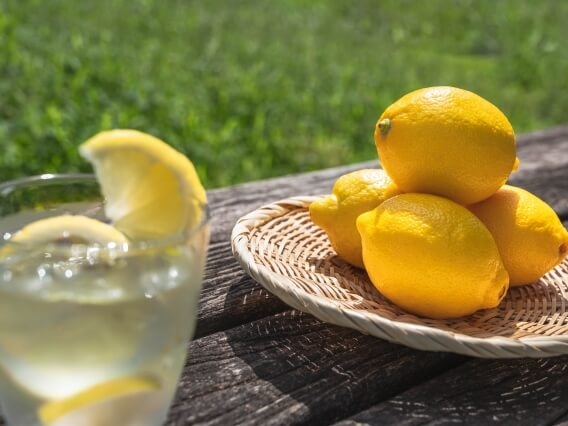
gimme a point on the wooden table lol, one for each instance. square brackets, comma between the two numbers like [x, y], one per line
[254, 360]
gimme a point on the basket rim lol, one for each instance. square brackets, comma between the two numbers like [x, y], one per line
[418, 336]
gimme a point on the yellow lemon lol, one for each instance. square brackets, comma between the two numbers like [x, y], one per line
[432, 256]
[446, 141]
[69, 228]
[151, 190]
[530, 237]
[109, 398]
[352, 194]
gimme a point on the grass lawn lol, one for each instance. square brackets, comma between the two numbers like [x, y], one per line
[257, 88]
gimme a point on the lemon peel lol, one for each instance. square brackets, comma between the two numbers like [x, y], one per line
[151, 189]
[446, 141]
[51, 411]
[530, 236]
[69, 228]
[432, 256]
[352, 194]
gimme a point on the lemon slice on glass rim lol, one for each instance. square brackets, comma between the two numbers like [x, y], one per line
[151, 190]
[109, 398]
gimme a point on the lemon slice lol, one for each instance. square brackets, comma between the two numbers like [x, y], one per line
[111, 397]
[151, 189]
[69, 228]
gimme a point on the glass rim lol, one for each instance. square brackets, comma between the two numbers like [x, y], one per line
[180, 237]
[44, 179]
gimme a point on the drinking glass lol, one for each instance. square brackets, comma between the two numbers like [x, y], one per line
[91, 334]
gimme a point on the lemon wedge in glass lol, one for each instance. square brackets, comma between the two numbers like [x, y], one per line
[110, 398]
[151, 190]
[71, 229]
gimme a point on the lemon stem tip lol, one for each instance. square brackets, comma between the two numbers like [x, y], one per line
[384, 126]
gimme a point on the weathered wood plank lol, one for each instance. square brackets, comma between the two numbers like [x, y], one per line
[229, 296]
[544, 166]
[561, 421]
[291, 369]
[481, 392]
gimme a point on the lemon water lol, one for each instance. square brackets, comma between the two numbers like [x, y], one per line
[75, 319]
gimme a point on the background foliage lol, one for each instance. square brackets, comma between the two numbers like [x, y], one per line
[257, 88]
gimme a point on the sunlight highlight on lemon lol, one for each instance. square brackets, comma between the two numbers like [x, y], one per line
[432, 257]
[531, 238]
[353, 193]
[446, 141]
[151, 190]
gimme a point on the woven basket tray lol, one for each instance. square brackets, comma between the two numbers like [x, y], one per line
[282, 249]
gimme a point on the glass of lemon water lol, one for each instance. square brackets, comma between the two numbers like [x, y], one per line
[93, 326]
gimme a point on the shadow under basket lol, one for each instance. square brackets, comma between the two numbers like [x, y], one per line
[280, 247]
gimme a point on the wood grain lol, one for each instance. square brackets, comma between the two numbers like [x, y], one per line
[481, 392]
[229, 297]
[291, 369]
[544, 167]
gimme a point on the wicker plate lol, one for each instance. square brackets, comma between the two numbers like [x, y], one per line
[281, 248]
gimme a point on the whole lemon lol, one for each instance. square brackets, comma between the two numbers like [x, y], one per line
[446, 141]
[528, 233]
[432, 256]
[352, 194]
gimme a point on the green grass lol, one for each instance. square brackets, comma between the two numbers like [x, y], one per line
[257, 88]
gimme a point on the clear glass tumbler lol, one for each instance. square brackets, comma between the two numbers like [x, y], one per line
[91, 334]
